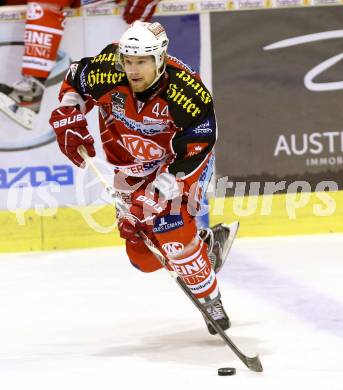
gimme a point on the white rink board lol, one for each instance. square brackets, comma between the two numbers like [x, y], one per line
[88, 320]
[79, 41]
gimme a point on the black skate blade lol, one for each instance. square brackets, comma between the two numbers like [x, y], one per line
[233, 230]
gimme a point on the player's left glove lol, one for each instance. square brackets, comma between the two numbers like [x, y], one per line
[139, 10]
[167, 186]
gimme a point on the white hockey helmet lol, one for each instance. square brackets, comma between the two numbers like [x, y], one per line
[145, 39]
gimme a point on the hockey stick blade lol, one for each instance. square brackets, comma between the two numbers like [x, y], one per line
[253, 363]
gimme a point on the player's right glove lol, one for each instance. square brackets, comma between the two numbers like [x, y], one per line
[141, 216]
[139, 10]
[70, 126]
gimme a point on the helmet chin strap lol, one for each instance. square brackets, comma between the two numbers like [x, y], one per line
[159, 73]
[158, 76]
[160, 70]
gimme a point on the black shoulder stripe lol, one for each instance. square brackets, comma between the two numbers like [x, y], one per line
[189, 100]
[97, 75]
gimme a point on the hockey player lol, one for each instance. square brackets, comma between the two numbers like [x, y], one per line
[158, 129]
[43, 33]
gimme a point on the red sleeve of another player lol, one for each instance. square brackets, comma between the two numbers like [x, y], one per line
[139, 10]
[43, 33]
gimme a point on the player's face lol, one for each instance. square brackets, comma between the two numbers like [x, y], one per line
[140, 71]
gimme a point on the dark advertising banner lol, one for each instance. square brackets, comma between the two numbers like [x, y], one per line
[278, 87]
[180, 29]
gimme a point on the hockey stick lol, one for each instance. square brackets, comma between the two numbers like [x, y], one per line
[253, 363]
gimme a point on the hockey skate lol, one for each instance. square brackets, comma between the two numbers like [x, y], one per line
[219, 239]
[22, 101]
[216, 310]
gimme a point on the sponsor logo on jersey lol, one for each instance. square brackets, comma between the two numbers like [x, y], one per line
[144, 129]
[196, 85]
[36, 63]
[197, 269]
[34, 11]
[143, 149]
[193, 149]
[83, 82]
[140, 170]
[105, 57]
[168, 223]
[203, 129]
[200, 282]
[204, 180]
[96, 77]
[38, 38]
[147, 120]
[206, 174]
[38, 43]
[173, 248]
[177, 95]
[119, 101]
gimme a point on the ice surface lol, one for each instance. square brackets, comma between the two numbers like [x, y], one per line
[86, 319]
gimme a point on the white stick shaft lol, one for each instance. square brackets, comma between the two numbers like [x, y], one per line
[110, 189]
